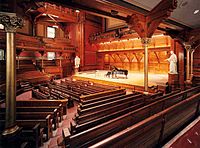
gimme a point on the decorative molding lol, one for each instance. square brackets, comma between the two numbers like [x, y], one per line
[187, 46]
[11, 23]
[145, 26]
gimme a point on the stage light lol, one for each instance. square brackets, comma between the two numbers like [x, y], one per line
[77, 11]
[196, 11]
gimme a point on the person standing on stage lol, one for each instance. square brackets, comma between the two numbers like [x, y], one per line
[173, 63]
[77, 64]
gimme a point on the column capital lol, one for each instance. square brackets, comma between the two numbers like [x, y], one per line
[10, 22]
[146, 40]
[187, 46]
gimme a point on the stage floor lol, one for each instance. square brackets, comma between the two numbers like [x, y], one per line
[134, 78]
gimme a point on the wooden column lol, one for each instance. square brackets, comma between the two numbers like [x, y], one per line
[11, 23]
[145, 42]
[188, 48]
[191, 63]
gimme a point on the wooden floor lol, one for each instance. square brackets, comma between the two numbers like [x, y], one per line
[134, 79]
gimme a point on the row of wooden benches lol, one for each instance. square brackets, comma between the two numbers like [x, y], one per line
[80, 83]
[95, 129]
[38, 118]
[157, 129]
[62, 91]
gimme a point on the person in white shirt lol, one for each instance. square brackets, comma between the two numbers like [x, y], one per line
[77, 63]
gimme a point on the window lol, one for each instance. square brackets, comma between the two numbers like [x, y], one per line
[51, 32]
[1, 54]
[51, 55]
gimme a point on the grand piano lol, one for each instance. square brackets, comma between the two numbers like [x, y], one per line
[115, 71]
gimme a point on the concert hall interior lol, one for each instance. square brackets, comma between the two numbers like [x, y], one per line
[99, 73]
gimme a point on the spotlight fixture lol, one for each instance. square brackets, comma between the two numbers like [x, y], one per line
[196, 11]
[77, 11]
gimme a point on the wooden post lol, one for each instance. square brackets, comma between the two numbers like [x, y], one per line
[145, 42]
[11, 23]
[188, 48]
[191, 64]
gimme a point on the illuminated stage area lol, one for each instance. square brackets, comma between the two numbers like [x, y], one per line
[133, 79]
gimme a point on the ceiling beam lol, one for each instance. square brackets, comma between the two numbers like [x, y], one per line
[87, 9]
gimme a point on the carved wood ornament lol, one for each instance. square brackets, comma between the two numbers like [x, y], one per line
[145, 26]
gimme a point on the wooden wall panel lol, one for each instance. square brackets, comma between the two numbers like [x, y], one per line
[90, 49]
[40, 30]
[196, 64]
[134, 61]
[129, 54]
[181, 64]
[26, 29]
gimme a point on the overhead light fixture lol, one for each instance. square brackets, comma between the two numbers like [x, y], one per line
[196, 11]
[77, 11]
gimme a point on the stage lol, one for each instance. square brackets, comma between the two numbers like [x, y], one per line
[134, 79]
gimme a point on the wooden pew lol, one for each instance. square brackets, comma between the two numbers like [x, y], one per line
[94, 85]
[40, 95]
[64, 90]
[87, 121]
[118, 109]
[86, 86]
[90, 101]
[32, 103]
[153, 131]
[40, 109]
[115, 101]
[33, 134]
[97, 99]
[108, 128]
[100, 94]
[45, 123]
[35, 115]
[84, 125]
[104, 100]
[85, 90]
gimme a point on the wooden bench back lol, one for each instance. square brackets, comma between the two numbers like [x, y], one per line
[152, 131]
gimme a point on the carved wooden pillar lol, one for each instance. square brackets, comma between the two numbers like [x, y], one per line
[191, 64]
[145, 43]
[11, 23]
[188, 48]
